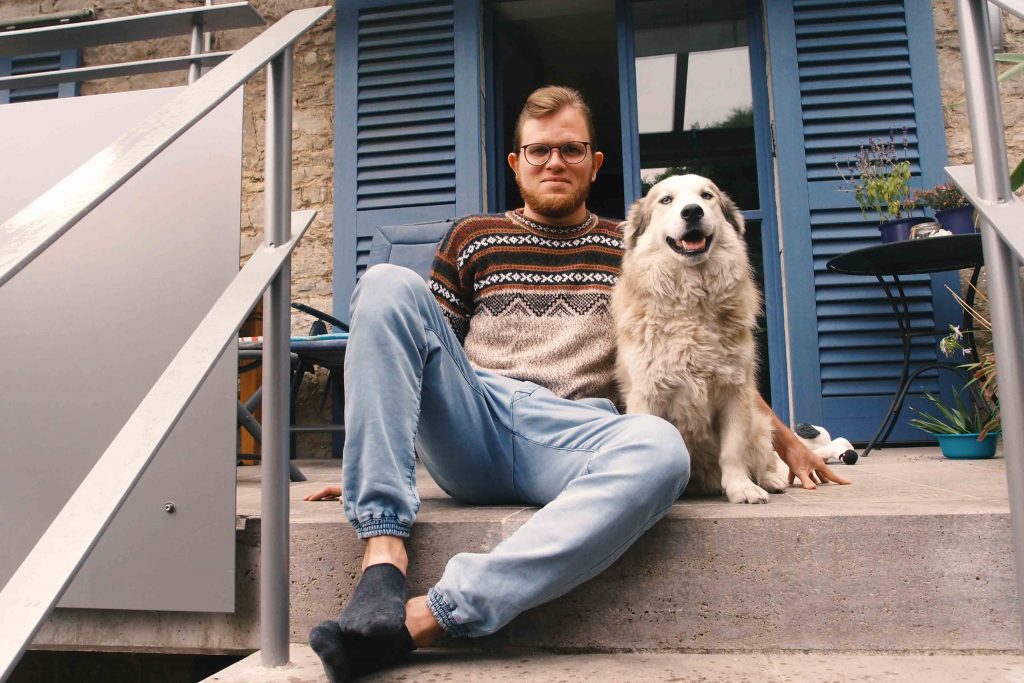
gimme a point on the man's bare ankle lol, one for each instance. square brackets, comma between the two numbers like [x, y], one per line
[386, 550]
[420, 621]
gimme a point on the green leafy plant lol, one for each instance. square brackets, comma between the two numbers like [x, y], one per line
[1017, 176]
[879, 177]
[983, 366]
[961, 418]
[941, 197]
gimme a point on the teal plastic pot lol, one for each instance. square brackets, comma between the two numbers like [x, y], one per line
[967, 446]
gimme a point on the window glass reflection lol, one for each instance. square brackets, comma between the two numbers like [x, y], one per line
[694, 100]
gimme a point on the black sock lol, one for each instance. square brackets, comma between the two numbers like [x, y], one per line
[347, 656]
[377, 606]
[326, 641]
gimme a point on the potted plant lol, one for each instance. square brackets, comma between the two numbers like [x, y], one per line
[880, 182]
[964, 431]
[952, 210]
[971, 430]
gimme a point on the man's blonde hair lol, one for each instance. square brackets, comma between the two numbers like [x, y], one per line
[548, 100]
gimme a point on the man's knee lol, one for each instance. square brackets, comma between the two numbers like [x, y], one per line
[385, 287]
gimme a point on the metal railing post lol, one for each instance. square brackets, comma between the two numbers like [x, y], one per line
[195, 48]
[1004, 286]
[276, 365]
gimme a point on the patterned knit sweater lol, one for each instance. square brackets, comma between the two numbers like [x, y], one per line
[531, 301]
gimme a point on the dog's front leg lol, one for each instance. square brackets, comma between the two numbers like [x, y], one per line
[734, 427]
[636, 402]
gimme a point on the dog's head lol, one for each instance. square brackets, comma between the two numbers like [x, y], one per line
[686, 214]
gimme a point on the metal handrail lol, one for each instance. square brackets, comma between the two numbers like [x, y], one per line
[42, 578]
[93, 73]
[44, 575]
[994, 199]
[128, 29]
[26, 234]
[1015, 7]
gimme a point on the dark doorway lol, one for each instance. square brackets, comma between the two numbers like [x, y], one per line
[556, 42]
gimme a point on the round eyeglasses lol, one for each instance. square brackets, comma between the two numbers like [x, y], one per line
[537, 153]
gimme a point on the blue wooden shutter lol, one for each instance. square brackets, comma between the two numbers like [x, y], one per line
[408, 132]
[841, 73]
[29, 64]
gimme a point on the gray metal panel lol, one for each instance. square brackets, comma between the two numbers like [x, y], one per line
[26, 234]
[91, 73]
[89, 326]
[127, 29]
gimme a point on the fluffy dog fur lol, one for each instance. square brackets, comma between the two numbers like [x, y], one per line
[685, 308]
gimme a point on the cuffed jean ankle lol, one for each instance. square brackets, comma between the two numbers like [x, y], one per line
[601, 478]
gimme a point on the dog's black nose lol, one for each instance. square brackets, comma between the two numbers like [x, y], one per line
[692, 212]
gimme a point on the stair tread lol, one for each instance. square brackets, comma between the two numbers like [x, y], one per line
[891, 482]
[755, 667]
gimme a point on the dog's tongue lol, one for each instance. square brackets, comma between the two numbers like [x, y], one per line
[693, 245]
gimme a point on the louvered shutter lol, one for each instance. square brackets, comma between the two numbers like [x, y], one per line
[408, 132]
[842, 73]
[30, 64]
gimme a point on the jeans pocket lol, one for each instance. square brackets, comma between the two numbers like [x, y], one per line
[553, 439]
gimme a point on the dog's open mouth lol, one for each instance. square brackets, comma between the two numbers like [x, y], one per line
[692, 243]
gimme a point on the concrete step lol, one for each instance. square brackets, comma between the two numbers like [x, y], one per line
[914, 556]
[534, 667]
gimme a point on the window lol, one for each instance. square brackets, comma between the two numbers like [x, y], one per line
[30, 64]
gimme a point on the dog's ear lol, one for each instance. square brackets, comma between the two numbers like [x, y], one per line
[637, 221]
[732, 213]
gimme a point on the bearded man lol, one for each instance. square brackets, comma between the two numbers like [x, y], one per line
[500, 373]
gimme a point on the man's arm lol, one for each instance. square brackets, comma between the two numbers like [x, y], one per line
[801, 461]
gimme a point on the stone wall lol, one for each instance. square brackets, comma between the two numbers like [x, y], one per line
[958, 133]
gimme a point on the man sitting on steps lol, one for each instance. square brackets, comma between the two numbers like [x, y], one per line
[501, 372]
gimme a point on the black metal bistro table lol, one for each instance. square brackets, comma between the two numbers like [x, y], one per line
[912, 257]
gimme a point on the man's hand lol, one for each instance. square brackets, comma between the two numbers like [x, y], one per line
[326, 493]
[802, 462]
[805, 464]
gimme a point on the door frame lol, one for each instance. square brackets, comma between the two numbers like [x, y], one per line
[766, 214]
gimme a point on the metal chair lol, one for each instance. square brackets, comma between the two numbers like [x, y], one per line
[411, 246]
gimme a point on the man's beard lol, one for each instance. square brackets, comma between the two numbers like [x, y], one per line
[554, 205]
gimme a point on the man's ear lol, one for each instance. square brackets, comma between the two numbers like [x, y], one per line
[637, 221]
[598, 160]
[513, 162]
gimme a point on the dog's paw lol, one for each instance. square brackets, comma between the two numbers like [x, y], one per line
[773, 481]
[745, 492]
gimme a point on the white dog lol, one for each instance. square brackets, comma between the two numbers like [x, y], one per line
[685, 307]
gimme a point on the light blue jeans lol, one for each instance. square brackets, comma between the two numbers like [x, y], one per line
[601, 478]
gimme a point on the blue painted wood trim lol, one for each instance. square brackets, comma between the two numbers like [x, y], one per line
[798, 265]
[69, 59]
[494, 120]
[931, 135]
[774, 308]
[469, 183]
[630, 140]
[346, 50]
[5, 70]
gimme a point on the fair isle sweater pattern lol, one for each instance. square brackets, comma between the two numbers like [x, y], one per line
[531, 301]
